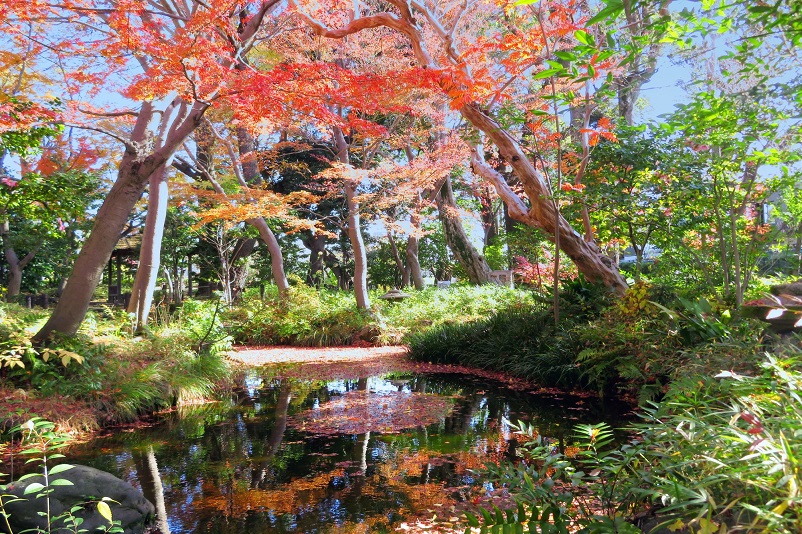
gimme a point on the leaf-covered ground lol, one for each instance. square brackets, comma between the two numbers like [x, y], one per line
[357, 412]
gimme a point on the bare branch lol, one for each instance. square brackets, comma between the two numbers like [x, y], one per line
[110, 114]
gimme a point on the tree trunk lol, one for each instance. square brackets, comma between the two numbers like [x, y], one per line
[358, 245]
[403, 269]
[344, 282]
[250, 173]
[316, 244]
[541, 212]
[150, 251]
[354, 230]
[488, 216]
[134, 171]
[15, 268]
[276, 257]
[413, 263]
[466, 254]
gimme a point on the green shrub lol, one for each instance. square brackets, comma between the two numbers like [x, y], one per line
[125, 377]
[520, 338]
[304, 317]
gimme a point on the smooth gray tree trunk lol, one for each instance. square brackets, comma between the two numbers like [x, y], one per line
[150, 251]
[354, 229]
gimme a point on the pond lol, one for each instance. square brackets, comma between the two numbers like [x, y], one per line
[304, 456]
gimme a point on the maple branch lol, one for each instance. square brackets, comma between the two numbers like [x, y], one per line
[127, 113]
[166, 114]
[182, 166]
[446, 36]
[182, 129]
[457, 20]
[514, 77]
[515, 206]
[232, 153]
[405, 25]
[199, 171]
[129, 145]
[248, 33]
[142, 121]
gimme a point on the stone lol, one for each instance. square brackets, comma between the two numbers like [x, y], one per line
[132, 509]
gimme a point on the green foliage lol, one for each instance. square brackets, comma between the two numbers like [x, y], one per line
[27, 141]
[717, 454]
[594, 487]
[519, 338]
[728, 448]
[304, 316]
[184, 363]
[40, 438]
[641, 344]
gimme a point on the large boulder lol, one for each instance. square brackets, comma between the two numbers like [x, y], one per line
[89, 485]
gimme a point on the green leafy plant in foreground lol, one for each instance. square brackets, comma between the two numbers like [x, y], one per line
[42, 439]
[718, 454]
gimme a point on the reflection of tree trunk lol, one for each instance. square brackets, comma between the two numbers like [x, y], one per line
[150, 480]
[460, 419]
[280, 424]
[362, 449]
[150, 252]
[466, 254]
[276, 434]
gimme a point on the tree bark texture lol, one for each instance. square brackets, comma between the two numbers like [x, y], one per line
[251, 176]
[316, 243]
[465, 253]
[15, 268]
[413, 247]
[541, 212]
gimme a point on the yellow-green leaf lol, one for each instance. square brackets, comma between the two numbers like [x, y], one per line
[104, 510]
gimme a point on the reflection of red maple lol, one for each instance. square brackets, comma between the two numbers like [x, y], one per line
[357, 412]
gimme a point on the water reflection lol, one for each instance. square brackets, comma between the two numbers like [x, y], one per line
[248, 465]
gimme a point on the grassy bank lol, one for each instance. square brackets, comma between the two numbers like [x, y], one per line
[635, 345]
[105, 375]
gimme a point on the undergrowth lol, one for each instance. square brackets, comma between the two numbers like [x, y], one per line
[719, 453]
[114, 377]
[638, 343]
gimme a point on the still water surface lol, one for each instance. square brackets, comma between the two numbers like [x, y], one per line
[304, 456]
